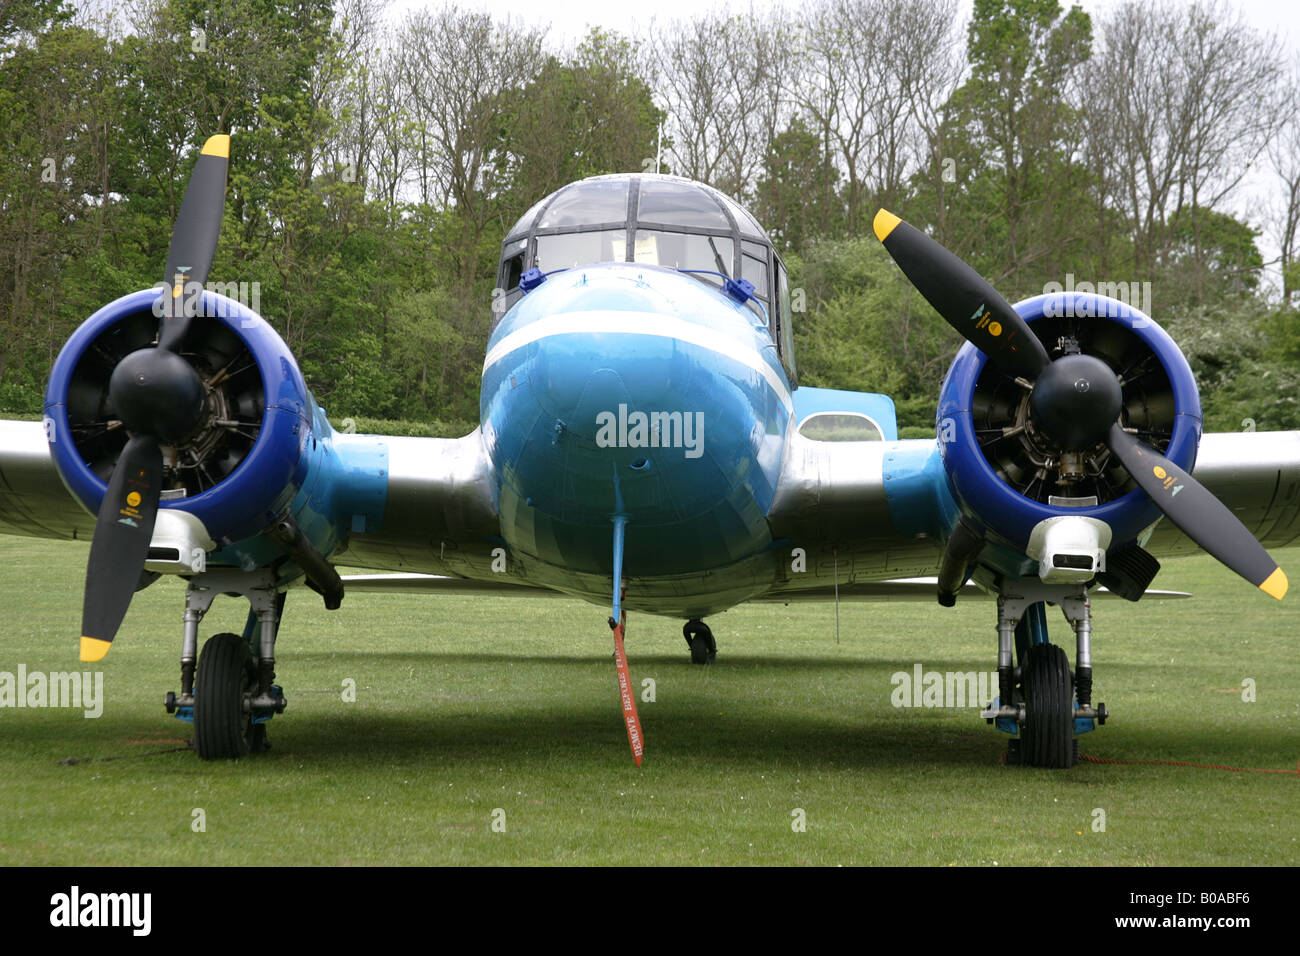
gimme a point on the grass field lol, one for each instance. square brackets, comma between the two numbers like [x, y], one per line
[465, 707]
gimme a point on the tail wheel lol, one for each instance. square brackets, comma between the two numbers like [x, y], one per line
[1048, 736]
[226, 673]
[700, 640]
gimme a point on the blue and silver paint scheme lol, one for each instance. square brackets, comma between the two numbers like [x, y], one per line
[714, 505]
[602, 344]
[331, 485]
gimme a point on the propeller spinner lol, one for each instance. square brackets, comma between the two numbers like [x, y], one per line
[1076, 399]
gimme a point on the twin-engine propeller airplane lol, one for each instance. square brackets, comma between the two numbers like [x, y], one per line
[643, 445]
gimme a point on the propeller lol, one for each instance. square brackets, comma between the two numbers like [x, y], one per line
[159, 398]
[1076, 399]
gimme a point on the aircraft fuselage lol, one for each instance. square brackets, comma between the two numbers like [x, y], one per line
[627, 390]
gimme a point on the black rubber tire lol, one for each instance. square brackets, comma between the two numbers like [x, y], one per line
[222, 731]
[1048, 735]
[700, 640]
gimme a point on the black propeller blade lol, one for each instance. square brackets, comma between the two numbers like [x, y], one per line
[1076, 400]
[121, 544]
[160, 399]
[194, 239]
[1197, 513]
[960, 294]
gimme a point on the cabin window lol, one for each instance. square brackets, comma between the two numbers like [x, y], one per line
[512, 265]
[840, 426]
[746, 223]
[755, 270]
[526, 220]
[586, 204]
[574, 249]
[679, 204]
[656, 221]
[682, 250]
[784, 320]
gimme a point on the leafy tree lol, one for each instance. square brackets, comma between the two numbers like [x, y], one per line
[868, 328]
[797, 196]
[1247, 374]
[373, 175]
[56, 207]
[583, 116]
[424, 344]
[1209, 257]
[1019, 130]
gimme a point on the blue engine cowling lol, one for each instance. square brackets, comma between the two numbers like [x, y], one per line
[265, 450]
[997, 479]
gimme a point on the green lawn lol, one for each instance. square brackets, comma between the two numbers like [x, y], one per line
[468, 706]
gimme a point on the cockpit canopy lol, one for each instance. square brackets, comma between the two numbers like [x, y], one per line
[654, 220]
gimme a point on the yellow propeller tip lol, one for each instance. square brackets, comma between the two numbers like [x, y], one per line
[1275, 584]
[218, 145]
[93, 649]
[884, 224]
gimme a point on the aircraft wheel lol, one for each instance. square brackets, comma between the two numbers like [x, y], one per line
[1048, 734]
[700, 640]
[222, 731]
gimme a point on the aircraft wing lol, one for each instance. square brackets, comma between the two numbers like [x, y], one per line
[439, 517]
[437, 510]
[859, 510]
[33, 500]
[869, 517]
[883, 500]
[1257, 475]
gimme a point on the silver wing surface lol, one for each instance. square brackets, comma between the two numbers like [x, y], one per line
[440, 515]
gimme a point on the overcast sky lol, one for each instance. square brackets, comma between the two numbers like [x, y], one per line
[569, 19]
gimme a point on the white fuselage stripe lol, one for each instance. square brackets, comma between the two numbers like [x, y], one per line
[615, 322]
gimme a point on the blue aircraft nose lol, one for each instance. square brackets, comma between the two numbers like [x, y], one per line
[654, 405]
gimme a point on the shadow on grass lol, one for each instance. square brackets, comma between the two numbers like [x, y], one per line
[545, 714]
[695, 733]
[725, 662]
[581, 738]
[689, 738]
[586, 740]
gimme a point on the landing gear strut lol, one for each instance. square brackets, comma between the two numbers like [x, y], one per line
[1041, 699]
[700, 640]
[228, 692]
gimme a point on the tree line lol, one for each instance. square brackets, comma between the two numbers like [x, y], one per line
[377, 162]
